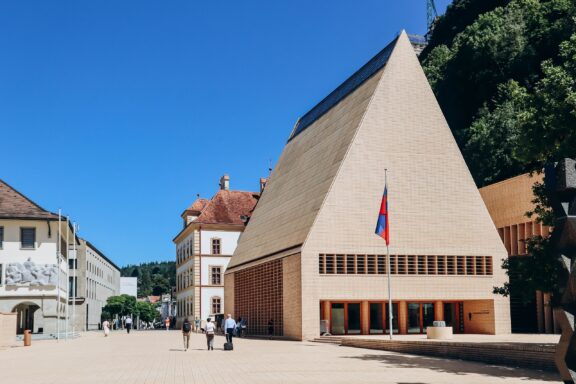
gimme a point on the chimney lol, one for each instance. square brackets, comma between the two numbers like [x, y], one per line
[225, 182]
[263, 182]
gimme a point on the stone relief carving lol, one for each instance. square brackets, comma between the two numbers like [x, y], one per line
[30, 273]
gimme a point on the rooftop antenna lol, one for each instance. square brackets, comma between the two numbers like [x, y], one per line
[431, 16]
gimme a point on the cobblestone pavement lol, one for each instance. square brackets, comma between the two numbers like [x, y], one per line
[157, 357]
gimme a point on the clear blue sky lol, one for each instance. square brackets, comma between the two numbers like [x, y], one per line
[119, 112]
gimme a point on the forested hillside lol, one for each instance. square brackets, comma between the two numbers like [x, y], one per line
[155, 278]
[504, 73]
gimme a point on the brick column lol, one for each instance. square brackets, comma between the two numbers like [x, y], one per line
[325, 310]
[438, 311]
[365, 317]
[402, 317]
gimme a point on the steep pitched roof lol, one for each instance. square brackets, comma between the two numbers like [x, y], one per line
[227, 206]
[325, 192]
[198, 205]
[14, 205]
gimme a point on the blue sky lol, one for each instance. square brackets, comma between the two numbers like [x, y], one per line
[120, 112]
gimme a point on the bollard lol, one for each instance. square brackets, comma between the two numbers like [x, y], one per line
[27, 338]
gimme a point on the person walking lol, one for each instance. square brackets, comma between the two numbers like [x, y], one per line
[186, 330]
[197, 325]
[270, 329]
[167, 323]
[128, 323]
[106, 327]
[229, 327]
[210, 328]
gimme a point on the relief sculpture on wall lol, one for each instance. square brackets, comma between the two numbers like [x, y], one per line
[32, 274]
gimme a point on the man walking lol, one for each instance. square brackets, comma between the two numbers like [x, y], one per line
[229, 326]
[186, 329]
[128, 323]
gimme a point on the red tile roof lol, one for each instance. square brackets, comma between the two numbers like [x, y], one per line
[15, 205]
[227, 206]
[198, 205]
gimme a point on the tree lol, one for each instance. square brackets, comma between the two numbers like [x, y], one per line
[122, 305]
[147, 311]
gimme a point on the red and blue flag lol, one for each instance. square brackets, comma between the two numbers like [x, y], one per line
[383, 227]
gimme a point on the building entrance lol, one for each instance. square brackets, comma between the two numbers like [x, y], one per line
[420, 316]
[345, 319]
[26, 312]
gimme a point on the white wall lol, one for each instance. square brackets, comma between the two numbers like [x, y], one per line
[210, 261]
[129, 286]
[228, 242]
[207, 294]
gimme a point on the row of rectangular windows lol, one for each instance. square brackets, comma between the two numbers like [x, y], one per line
[184, 252]
[331, 264]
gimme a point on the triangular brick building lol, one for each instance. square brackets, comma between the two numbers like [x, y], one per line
[309, 259]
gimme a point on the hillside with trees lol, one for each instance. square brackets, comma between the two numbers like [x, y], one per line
[504, 74]
[155, 278]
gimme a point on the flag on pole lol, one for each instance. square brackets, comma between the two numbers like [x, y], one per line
[383, 227]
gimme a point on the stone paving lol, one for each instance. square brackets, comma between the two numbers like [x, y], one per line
[157, 357]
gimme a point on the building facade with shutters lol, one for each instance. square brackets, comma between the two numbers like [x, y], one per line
[309, 260]
[33, 263]
[211, 228]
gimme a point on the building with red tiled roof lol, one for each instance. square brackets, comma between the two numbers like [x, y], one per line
[204, 247]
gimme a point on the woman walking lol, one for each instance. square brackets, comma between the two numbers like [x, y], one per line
[210, 327]
[106, 327]
[186, 329]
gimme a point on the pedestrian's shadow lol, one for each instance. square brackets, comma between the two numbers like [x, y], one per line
[177, 350]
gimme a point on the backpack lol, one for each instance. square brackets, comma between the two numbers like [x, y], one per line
[186, 327]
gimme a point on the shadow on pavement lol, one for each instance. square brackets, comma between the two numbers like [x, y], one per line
[459, 367]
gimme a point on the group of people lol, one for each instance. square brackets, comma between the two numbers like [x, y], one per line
[229, 326]
[106, 326]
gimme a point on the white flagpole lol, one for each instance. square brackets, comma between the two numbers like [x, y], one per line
[388, 258]
[74, 282]
[59, 282]
[67, 277]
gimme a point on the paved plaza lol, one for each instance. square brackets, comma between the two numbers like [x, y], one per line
[157, 357]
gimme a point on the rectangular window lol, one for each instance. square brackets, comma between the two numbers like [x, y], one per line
[340, 264]
[470, 265]
[361, 264]
[431, 264]
[350, 265]
[72, 263]
[216, 305]
[441, 260]
[381, 264]
[371, 264]
[28, 237]
[72, 286]
[216, 275]
[329, 264]
[1, 237]
[321, 264]
[488, 265]
[401, 264]
[461, 267]
[216, 247]
[412, 268]
[1, 275]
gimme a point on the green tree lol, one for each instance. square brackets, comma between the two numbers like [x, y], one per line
[147, 311]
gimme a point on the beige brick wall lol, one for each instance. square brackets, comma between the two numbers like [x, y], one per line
[7, 329]
[292, 294]
[435, 207]
[229, 293]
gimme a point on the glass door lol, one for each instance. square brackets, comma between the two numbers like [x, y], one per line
[354, 327]
[337, 314]
[376, 318]
[414, 318]
[427, 316]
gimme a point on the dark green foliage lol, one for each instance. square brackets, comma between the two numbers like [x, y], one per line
[504, 73]
[125, 305]
[155, 278]
[505, 82]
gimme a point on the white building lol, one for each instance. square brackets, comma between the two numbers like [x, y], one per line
[129, 286]
[204, 248]
[97, 278]
[32, 277]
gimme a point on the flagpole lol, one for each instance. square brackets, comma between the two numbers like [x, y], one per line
[58, 284]
[66, 313]
[388, 262]
[74, 282]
